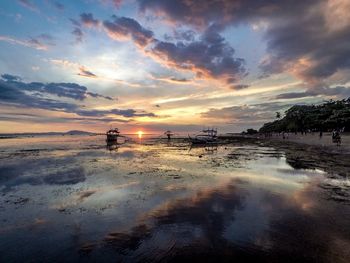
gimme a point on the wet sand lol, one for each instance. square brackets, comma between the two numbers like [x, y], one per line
[73, 199]
[324, 143]
[304, 153]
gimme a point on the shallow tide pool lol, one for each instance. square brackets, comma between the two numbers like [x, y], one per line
[72, 198]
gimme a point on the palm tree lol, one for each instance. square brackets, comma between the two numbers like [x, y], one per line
[278, 115]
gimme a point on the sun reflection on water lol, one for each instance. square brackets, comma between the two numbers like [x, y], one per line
[139, 134]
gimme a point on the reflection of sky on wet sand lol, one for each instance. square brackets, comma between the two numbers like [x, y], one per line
[72, 198]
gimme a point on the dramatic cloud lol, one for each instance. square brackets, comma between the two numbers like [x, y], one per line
[221, 12]
[317, 49]
[193, 12]
[211, 56]
[124, 28]
[35, 95]
[305, 38]
[12, 93]
[88, 20]
[68, 90]
[191, 53]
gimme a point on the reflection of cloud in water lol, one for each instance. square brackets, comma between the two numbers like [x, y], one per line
[206, 215]
[14, 176]
[82, 196]
[294, 229]
[71, 176]
[307, 230]
[268, 213]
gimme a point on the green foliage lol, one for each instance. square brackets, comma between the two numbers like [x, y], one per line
[327, 116]
[250, 132]
[278, 115]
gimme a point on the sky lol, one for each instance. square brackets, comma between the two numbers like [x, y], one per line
[157, 65]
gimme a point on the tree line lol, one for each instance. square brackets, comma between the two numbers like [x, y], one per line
[327, 116]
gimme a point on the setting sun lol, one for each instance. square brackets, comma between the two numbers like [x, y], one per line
[140, 133]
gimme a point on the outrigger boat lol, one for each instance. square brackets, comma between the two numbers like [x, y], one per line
[112, 135]
[169, 134]
[205, 136]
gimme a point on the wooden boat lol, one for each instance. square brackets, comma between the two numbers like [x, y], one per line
[168, 134]
[112, 135]
[205, 136]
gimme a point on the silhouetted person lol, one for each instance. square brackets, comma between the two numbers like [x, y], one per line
[336, 137]
[168, 134]
[321, 134]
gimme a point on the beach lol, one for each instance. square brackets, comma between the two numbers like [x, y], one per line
[314, 139]
[323, 143]
[73, 198]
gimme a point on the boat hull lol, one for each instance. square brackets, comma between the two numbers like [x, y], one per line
[112, 138]
[197, 140]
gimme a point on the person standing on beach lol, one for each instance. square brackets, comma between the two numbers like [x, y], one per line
[336, 137]
[321, 134]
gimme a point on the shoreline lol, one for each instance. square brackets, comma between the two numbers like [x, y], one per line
[324, 144]
[333, 160]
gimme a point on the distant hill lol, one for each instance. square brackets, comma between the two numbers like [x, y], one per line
[299, 118]
[77, 132]
[73, 132]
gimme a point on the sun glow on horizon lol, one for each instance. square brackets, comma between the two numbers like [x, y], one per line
[140, 133]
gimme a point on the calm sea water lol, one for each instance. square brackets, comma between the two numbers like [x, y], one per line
[72, 198]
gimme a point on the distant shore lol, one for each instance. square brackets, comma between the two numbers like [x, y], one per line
[323, 143]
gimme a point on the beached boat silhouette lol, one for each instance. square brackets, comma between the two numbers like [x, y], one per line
[112, 135]
[205, 136]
